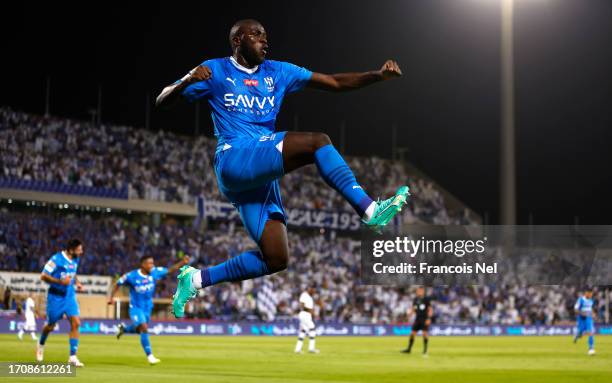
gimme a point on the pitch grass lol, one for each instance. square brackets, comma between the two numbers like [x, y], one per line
[342, 359]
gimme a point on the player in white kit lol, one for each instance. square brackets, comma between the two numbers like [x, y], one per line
[307, 325]
[30, 317]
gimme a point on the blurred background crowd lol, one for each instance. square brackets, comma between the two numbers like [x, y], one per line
[113, 245]
[162, 166]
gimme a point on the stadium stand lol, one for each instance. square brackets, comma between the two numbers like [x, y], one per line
[122, 162]
[115, 243]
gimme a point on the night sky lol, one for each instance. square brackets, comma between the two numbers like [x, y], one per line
[446, 105]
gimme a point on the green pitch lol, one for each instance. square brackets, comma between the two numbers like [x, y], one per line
[263, 359]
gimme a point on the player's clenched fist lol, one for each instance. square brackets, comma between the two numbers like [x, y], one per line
[199, 73]
[390, 69]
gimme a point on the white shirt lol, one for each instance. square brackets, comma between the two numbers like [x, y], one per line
[29, 307]
[307, 301]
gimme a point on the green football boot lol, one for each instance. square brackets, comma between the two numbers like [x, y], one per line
[185, 291]
[387, 209]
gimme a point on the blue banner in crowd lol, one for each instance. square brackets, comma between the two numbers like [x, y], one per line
[107, 327]
[308, 218]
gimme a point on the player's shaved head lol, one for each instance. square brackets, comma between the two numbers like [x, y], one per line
[249, 42]
[239, 28]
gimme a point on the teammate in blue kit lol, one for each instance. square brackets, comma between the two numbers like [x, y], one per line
[60, 273]
[584, 318]
[245, 92]
[142, 283]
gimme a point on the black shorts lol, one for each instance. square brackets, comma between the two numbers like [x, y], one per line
[420, 325]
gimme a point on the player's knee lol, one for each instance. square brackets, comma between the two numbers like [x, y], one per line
[277, 262]
[319, 140]
[143, 328]
[75, 322]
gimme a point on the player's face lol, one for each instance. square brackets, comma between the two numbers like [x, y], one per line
[588, 294]
[148, 265]
[254, 44]
[77, 251]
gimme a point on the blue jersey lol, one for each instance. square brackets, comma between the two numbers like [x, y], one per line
[142, 286]
[584, 307]
[245, 102]
[61, 266]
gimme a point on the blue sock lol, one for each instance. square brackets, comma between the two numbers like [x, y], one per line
[74, 345]
[144, 341]
[43, 338]
[336, 173]
[591, 342]
[247, 265]
[131, 329]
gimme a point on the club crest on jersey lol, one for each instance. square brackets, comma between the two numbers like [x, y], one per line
[269, 83]
[251, 82]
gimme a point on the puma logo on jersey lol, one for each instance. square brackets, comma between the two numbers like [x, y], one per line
[246, 101]
[232, 80]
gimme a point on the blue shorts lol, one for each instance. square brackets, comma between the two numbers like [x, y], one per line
[139, 315]
[58, 305]
[585, 324]
[248, 175]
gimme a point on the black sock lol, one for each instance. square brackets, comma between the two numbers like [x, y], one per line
[410, 342]
[425, 340]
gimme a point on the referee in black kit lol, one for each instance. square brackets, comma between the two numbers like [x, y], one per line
[421, 306]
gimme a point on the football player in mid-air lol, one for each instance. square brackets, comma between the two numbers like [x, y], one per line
[245, 92]
[142, 283]
[584, 318]
[423, 312]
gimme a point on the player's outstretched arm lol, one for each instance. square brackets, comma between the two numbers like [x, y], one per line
[172, 93]
[341, 82]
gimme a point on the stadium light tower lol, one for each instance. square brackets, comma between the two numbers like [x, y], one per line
[507, 152]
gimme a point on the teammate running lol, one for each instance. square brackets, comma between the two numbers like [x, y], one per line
[421, 307]
[245, 92]
[30, 318]
[142, 289]
[584, 318]
[60, 273]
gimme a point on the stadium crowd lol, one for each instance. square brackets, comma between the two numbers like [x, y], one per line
[113, 245]
[167, 167]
